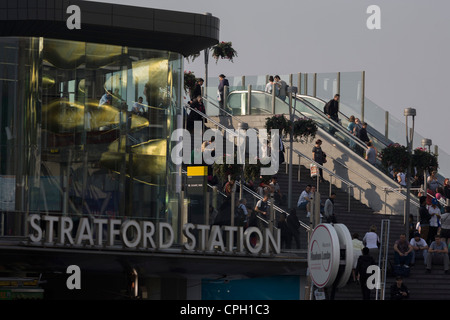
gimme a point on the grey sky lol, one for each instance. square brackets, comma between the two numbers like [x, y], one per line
[406, 62]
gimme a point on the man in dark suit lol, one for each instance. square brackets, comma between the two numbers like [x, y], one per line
[222, 83]
[331, 109]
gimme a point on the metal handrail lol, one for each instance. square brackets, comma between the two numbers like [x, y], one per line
[339, 128]
[345, 166]
[332, 174]
[280, 210]
[232, 132]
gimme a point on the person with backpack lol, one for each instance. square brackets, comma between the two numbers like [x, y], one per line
[262, 208]
[241, 213]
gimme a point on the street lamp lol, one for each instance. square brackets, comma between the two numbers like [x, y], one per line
[408, 112]
[292, 92]
[426, 143]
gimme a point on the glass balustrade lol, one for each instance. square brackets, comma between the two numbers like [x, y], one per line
[321, 87]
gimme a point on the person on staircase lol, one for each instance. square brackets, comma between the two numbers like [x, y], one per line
[424, 218]
[403, 251]
[329, 209]
[435, 213]
[420, 247]
[304, 198]
[372, 241]
[437, 254]
[319, 156]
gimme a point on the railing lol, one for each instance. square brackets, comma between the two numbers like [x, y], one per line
[330, 173]
[384, 189]
[383, 259]
[351, 87]
[349, 184]
[307, 108]
[255, 195]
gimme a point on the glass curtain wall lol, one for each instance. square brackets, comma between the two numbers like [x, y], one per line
[85, 130]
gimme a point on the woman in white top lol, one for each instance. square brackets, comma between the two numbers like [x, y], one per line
[372, 241]
[269, 85]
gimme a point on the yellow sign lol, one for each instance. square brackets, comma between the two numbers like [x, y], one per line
[197, 171]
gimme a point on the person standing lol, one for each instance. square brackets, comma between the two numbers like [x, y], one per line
[286, 235]
[223, 81]
[362, 134]
[424, 218]
[445, 225]
[435, 213]
[331, 110]
[262, 208]
[372, 241]
[371, 153]
[197, 89]
[329, 209]
[358, 246]
[294, 227]
[364, 261]
[319, 156]
[269, 85]
[193, 116]
[281, 87]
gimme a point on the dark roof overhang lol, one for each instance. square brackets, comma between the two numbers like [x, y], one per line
[181, 32]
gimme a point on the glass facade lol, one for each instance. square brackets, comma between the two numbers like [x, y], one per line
[85, 131]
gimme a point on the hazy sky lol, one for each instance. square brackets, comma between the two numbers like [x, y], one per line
[406, 61]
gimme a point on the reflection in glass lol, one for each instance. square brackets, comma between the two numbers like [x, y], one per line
[71, 135]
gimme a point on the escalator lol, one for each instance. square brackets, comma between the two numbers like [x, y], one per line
[374, 184]
[262, 103]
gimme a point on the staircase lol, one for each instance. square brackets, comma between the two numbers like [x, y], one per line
[422, 286]
[358, 218]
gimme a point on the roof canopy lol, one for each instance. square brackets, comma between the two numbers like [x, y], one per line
[124, 25]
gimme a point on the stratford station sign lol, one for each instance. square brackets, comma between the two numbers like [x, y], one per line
[58, 231]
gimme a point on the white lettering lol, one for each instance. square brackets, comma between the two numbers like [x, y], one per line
[181, 152]
[215, 239]
[248, 235]
[230, 237]
[84, 232]
[373, 281]
[145, 235]
[74, 21]
[65, 229]
[161, 235]
[270, 242]
[74, 281]
[137, 232]
[374, 21]
[50, 227]
[203, 236]
[100, 224]
[187, 233]
[34, 223]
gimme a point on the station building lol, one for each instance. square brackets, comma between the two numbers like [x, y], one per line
[86, 180]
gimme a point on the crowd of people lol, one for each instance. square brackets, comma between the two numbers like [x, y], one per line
[429, 239]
